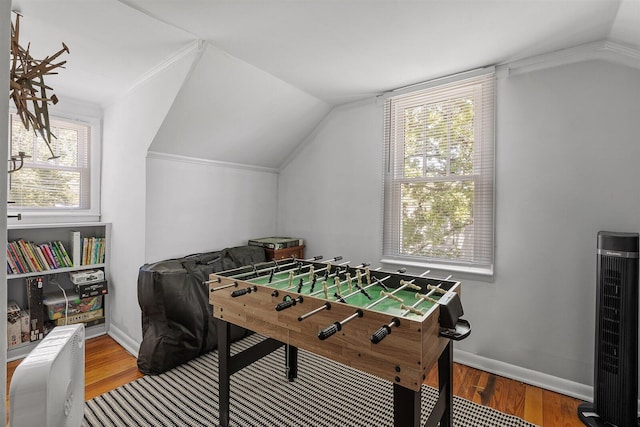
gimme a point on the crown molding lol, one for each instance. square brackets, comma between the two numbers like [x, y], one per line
[603, 50]
[197, 46]
[206, 162]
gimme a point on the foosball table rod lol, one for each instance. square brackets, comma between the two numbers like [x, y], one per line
[302, 274]
[325, 306]
[219, 288]
[324, 289]
[428, 294]
[403, 285]
[312, 276]
[385, 330]
[337, 326]
[289, 262]
[336, 285]
[362, 290]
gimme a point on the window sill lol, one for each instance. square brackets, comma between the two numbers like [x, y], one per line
[49, 217]
[484, 272]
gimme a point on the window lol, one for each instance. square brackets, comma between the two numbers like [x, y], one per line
[45, 183]
[439, 175]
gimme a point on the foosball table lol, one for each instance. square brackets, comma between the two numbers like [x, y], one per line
[392, 325]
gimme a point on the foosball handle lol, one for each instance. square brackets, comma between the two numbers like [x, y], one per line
[384, 330]
[317, 258]
[287, 303]
[380, 334]
[244, 291]
[338, 258]
[329, 330]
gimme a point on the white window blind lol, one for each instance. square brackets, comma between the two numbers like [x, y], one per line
[439, 190]
[44, 183]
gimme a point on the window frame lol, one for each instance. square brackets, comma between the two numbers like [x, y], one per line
[73, 112]
[483, 182]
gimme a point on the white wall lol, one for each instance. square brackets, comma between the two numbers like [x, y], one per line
[5, 36]
[130, 125]
[330, 193]
[197, 206]
[566, 168]
[567, 155]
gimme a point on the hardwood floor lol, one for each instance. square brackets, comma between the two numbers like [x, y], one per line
[108, 365]
[533, 404]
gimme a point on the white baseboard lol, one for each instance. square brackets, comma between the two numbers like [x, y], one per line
[528, 376]
[129, 344]
[548, 382]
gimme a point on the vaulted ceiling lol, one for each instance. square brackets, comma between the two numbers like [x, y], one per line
[335, 50]
[342, 50]
[309, 55]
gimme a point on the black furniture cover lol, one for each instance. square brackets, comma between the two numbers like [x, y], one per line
[177, 319]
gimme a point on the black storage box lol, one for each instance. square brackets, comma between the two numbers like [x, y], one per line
[177, 319]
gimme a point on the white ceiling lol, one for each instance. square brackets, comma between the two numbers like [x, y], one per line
[111, 46]
[334, 50]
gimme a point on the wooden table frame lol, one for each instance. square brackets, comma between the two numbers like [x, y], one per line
[407, 403]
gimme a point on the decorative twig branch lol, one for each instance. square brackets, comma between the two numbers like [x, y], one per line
[26, 86]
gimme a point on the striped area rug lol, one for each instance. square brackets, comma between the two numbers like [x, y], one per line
[325, 394]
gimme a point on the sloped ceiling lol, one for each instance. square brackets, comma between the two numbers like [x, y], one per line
[298, 58]
[230, 111]
[626, 28]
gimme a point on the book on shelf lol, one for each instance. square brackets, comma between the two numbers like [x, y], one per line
[93, 250]
[64, 253]
[276, 242]
[29, 257]
[17, 256]
[12, 267]
[48, 252]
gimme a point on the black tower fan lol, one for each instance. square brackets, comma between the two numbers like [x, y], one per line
[615, 385]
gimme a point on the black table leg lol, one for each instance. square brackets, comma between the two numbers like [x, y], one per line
[407, 403]
[229, 365]
[291, 354]
[406, 407]
[445, 380]
[224, 372]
